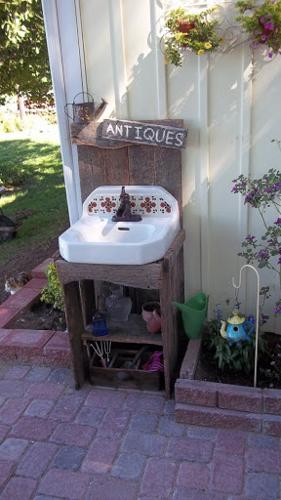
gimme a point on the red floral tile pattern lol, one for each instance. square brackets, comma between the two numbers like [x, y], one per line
[143, 205]
[108, 204]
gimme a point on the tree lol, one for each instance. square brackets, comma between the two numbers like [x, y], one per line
[24, 63]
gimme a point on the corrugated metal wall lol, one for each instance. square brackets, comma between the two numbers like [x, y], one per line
[231, 105]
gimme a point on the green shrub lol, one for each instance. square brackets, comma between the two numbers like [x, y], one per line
[10, 123]
[53, 293]
[11, 176]
[231, 356]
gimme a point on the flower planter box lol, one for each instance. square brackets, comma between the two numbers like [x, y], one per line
[46, 347]
[199, 402]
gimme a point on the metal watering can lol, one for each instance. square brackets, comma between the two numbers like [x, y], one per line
[85, 111]
[237, 328]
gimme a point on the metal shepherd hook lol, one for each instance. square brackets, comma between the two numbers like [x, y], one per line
[257, 314]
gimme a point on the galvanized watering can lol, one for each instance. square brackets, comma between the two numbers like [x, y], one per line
[85, 111]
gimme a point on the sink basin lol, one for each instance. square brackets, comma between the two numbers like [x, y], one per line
[95, 239]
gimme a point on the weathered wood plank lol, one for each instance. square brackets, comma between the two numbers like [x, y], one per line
[74, 321]
[140, 132]
[144, 276]
[90, 134]
[141, 165]
[87, 291]
[168, 172]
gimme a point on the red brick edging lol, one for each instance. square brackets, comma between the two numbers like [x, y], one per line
[38, 346]
[200, 402]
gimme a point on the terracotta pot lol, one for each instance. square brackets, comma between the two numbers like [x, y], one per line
[151, 315]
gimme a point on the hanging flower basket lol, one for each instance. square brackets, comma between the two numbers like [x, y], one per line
[186, 31]
[262, 22]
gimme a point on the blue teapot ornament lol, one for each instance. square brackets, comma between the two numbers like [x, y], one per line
[237, 328]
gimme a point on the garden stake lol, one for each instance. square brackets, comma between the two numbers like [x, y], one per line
[257, 313]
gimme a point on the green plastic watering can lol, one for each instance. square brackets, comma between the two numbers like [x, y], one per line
[194, 312]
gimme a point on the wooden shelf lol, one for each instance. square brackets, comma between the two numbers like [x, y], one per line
[132, 331]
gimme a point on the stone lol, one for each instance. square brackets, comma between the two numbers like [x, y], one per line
[38, 373]
[228, 472]
[19, 488]
[101, 455]
[168, 427]
[262, 486]
[39, 407]
[17, 372]
[182, 493]
[234, 397]
[195, 431]
[33, 340]
[6, 315]
[104, 487]
[36, 460]
[6, 469]
[11, 449]
[69, 457]
[232, 442]
[217, 417]
[186, 448]
[114, 423]
[64, 483]
[272, 401]
[12, 390]
[67, 407]
[61, 375]
[190, 359]
[138, 402]
[40, 271]
[145, 444]
[193, 475]
[44, 390]
[106, 398]
[129, 466]
[263, 460]
[33, 428]
[195, 392]
[272, 425]
[59, 343]
[159, 477]
[73, 434]
[12, 410]
[90, 416]
[4, 429]
[262, 441]
[144, 422]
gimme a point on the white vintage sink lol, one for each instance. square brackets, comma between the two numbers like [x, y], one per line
[95, 239]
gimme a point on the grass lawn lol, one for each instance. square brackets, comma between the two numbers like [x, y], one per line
[38, 168]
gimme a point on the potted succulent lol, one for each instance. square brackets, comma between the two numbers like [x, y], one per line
[262, 22]
[186, 31]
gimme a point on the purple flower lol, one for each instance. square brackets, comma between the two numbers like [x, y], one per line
[263, 255]
[268, 26]
[234, 189]
[264, 38]
[278, 221]
[277, 309]
[250, 239]
[279, 261]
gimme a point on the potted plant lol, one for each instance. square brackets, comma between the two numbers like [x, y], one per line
[186, 31]
[262, 22]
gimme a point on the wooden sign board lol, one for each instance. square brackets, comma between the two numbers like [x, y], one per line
[150, 134]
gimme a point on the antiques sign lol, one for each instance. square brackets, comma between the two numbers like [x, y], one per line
[150, 134]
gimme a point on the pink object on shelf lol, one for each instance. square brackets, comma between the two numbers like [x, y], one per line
[155, 362]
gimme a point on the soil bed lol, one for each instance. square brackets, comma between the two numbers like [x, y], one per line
[40, 317]
[269, 367]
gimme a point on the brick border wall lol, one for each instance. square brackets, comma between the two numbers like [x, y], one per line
[45, 347]
[224, 405]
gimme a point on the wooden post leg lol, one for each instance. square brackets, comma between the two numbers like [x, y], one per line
[74, 321]
[87, 291]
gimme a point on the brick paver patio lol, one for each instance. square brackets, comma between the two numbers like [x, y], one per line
[105, 444]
